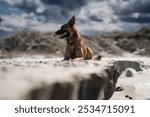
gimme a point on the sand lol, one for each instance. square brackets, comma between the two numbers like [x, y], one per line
[131, 84]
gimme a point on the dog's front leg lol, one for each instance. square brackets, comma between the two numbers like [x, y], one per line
[68, 53]
[66, 58]
[79, 55]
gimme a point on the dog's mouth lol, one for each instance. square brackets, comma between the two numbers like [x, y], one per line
[63, 33]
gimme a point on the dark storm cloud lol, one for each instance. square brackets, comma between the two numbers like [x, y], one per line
[1, 19]
[95, 18]
[141, 19]
[31, 6]
[127, 9]
[27, 5]
[56, 10]
[132, 6]
[66, 7]
[66, 4]
[142, 7]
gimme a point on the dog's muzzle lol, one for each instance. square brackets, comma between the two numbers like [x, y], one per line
[64, 33]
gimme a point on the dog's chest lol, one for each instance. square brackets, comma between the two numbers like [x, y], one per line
[71, 47]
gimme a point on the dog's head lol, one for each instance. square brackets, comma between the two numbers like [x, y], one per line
[67, 29]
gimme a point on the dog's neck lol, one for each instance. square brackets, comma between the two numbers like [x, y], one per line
[75, 36]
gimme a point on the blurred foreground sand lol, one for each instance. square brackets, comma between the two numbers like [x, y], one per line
[19, 75]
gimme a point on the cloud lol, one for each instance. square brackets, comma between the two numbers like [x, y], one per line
[27, 5]
[67, 4]
[129, 6]
[139, 19]
[15, 21]
[94, 15]
[134, 11]
[51, 9]
[1, 19]
[95, 18]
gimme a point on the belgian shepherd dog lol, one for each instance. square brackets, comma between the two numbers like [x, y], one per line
[75, 46]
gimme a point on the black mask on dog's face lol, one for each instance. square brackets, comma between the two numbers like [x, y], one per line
[65, 30]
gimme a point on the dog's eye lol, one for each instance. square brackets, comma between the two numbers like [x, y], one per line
[63, 27]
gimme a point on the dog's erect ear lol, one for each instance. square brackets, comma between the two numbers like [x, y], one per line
[72, 21]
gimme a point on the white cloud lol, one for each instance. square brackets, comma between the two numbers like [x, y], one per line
[46, 27]
[13, 21]
[37, 5]
[135, 15]
[6, 29]
[99, 9]
[19, 21]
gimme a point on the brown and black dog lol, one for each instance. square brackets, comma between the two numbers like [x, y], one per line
[75, 46]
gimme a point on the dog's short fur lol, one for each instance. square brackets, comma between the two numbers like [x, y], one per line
[75, 47]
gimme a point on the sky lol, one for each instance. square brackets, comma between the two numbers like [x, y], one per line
[92, 16]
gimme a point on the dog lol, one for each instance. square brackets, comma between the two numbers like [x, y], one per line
[75, 46]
